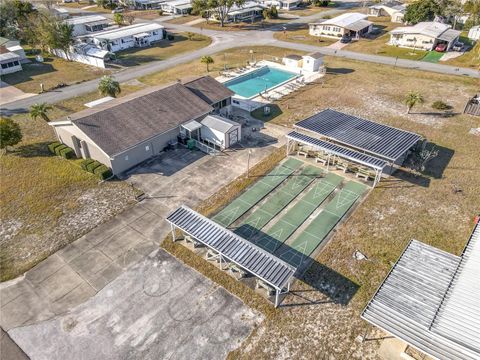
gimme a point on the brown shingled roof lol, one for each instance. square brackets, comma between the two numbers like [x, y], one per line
[209, 89]
[125, 122]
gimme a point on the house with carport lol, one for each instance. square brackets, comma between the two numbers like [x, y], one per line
[424, 36]
[124, 132]
[395, 10]
[354, 25]
[84, 25]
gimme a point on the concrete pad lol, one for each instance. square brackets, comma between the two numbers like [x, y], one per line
[8, 349]
[105, 276]
[77, 296]
[116, 245]
[392, 349]
[45, 269]
[60, 283]
[9, 93]
[157, 309]
[90, 262]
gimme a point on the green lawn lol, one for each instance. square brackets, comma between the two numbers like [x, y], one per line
[433, 56]
[163, 49]
[50, 73]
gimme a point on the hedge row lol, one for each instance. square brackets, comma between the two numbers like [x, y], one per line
[62, 150]
[97, 168]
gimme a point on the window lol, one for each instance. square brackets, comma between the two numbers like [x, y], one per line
[4, 66]
[16, 63]
[126, 157]
[147, 148]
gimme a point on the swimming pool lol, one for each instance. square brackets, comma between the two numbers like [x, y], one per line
[265, 78]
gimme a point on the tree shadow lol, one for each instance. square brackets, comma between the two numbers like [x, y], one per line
[33, 150]
[337, 71]
[29, 71]
[338, 288]
[259, 113]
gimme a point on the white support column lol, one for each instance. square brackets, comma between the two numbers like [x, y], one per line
[173, 232]
[328, 160]
[276, 297]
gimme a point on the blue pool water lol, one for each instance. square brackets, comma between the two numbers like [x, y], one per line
[251, 84]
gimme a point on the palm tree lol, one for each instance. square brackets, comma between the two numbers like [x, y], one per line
[207, 60]
[40, 110]
[413, 98]
[108, 86]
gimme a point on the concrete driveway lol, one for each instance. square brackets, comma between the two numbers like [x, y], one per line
[158, 309]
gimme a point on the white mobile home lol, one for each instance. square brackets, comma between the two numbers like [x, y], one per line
[474, 33]
[137, 35]
[393, 9]
[249, 11]
[177, 7]
[84, 25]
[9, 63]
[220, 132]
[424, 35]
[349, 24]
[281, 4]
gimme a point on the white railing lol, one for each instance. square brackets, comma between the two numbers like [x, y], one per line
[205, 148]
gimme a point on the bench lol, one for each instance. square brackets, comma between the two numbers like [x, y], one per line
[188, 239]
[262, 285]
[237, 272]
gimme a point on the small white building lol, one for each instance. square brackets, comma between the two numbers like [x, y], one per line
[307, 63]
[136, 35]
[83, 25]
[393, 9]
[177, 7]
[349, 24]
[280, 4]
[312, 62]
[424, 36]
[474, 33]
[220, 131]
[9, 63]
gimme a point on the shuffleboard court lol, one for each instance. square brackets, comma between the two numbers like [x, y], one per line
[257, 192]
[296, 216]
[319, 228]
[278, 201]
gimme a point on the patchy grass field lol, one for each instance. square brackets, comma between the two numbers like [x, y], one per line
[301, 35]
[240, 26]
[230, 58]
[182, 19]
[50, 73]
[47, 201]
[436, 207]
[162, 50]
[470, 59]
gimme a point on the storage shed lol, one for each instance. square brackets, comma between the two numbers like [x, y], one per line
[220, 131]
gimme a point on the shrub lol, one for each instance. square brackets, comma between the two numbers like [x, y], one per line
[440, 105]
[103, 172]
[92, 166]
[85, 163]
[60, 148]
[52, 146]
[68, 153]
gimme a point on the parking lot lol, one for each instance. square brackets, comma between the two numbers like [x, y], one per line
[158, 309]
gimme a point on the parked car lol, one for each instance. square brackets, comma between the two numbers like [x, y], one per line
[345, 39]
[118, 10]
[441, 47]
[458, 46]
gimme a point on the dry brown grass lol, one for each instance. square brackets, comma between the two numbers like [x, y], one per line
[395, 212]
[50, 73]
[302, 36]
[182, 19]
[231, 58]
[48, 201]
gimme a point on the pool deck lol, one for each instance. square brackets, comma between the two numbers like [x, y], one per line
[276, 92]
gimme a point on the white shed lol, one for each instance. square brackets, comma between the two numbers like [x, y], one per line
[474, 33]
[220, 131]
[292, 61]
[312, 62]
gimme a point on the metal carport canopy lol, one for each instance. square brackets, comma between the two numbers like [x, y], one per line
[381, 140]
[236, 249]
[334, 149]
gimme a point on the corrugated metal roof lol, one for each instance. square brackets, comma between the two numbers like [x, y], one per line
[358, 25]
[77, 20]
[378, 139]
[459, 315]
[219, 123]
[339, 150]
[126, 31]
[250, 257]
[431, 300]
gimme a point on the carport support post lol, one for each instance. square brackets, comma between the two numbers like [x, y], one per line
[276, 297]
[173, 232]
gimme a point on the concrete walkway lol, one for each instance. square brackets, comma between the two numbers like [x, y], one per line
[77, 272]
[9, 93]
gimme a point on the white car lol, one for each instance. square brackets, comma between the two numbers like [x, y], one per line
[458, 46]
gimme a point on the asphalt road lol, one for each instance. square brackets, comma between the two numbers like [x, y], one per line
[223, 40]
